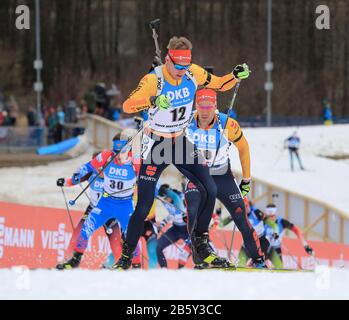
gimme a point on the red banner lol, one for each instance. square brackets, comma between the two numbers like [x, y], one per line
[39, 238]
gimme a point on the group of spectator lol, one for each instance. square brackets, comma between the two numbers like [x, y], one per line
[8, 110]
[105, 103]
[99, 100]
[66, 120]
[63, 121]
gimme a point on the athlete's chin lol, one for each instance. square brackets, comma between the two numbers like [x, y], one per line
[179, 76]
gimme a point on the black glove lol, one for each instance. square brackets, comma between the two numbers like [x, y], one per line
[275, 236]
[185, 218]
[219, 211]
[138, 121]
[163, 190]
[241, 71]
[60, 182]
[308, 249]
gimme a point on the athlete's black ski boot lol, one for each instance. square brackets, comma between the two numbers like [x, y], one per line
[72, 263]
[203, 255]
[259, 263]
[125, 261]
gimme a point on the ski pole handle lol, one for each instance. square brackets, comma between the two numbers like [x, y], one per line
[155, 24]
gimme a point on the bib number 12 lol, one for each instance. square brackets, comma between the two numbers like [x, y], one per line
[178, 114]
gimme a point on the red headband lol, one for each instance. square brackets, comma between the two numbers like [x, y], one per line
[180, 56]
[206, 95]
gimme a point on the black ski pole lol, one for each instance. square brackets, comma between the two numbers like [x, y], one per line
[66, 204]
[232, 242]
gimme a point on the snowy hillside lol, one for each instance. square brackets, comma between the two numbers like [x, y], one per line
[324, 179]
[165, 284]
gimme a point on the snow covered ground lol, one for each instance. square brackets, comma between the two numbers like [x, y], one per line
[37, 185]
[166, 285]
[325, 180]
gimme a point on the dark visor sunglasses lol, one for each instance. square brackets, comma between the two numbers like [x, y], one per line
[178, 66]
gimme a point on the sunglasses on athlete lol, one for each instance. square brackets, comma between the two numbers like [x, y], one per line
[178, 66]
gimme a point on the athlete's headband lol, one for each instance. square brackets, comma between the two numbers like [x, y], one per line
[271, 211]
[180, 56]
[206, 99]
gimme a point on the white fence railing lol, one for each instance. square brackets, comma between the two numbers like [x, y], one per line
[318, 220]
[100, 131]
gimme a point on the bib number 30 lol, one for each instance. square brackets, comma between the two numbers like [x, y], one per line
[119, 185]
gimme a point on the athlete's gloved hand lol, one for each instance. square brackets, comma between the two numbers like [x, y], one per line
[309, 250]
[60, 182]
[163, 102]
[185, 218]
[219, 211]
[275, 236]
[245, 186]
[241, 71]
[138, 121]
[76, 178]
